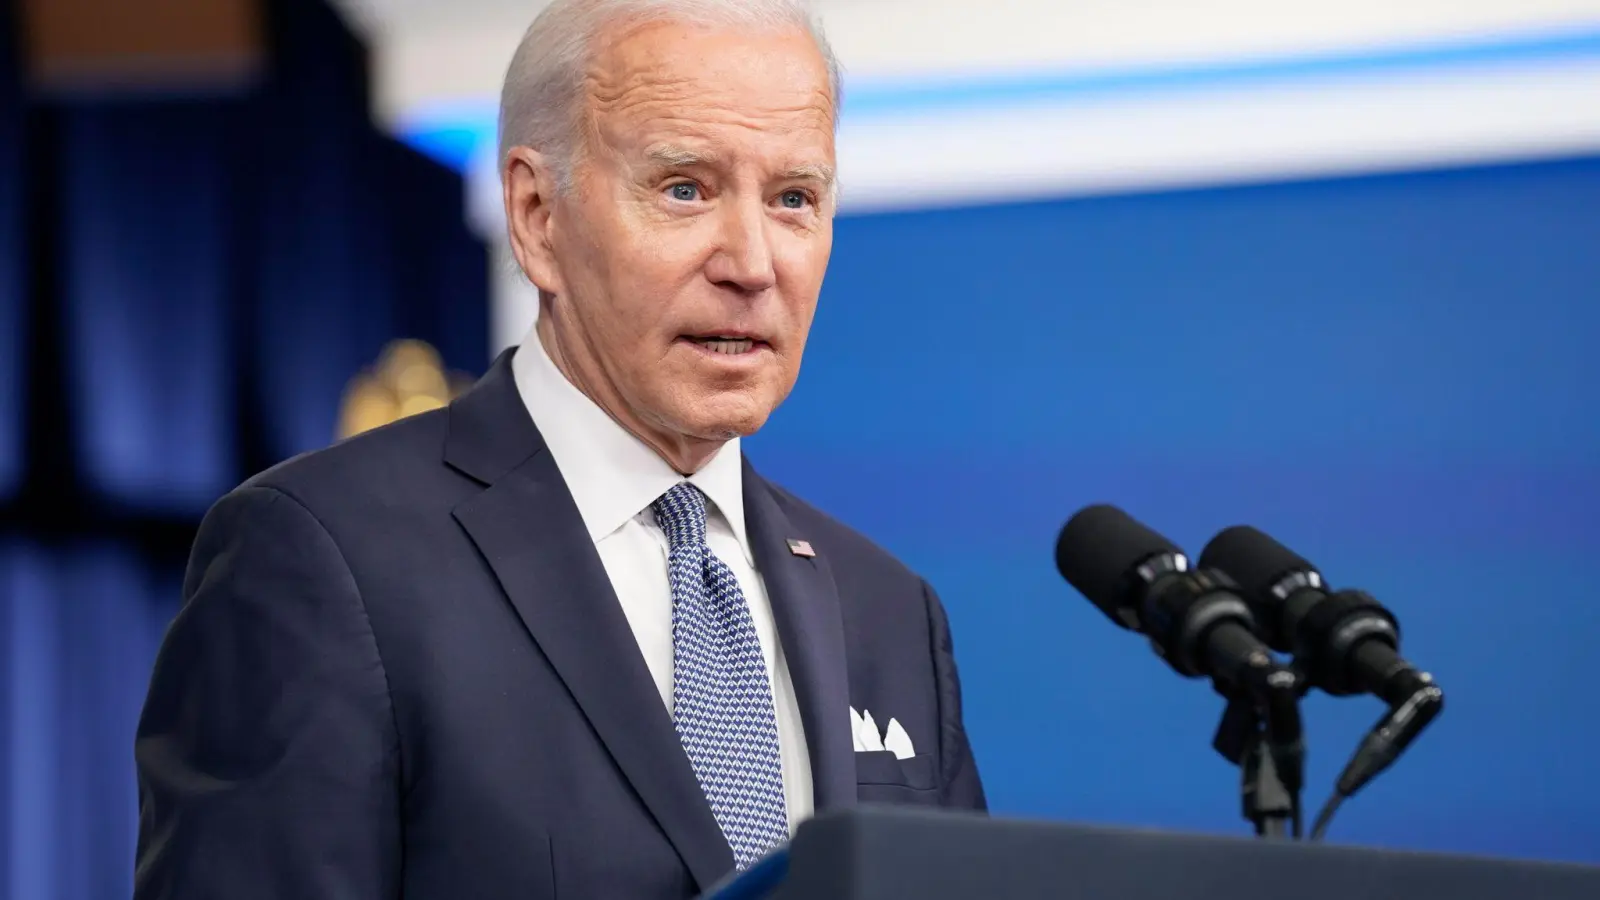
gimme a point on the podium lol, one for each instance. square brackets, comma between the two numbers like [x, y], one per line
[906, 853]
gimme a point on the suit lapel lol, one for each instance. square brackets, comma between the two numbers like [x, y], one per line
[805, 605]
[530, 532]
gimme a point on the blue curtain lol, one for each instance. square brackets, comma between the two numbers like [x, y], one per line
[187, 284]
[145, 267]
[85, 620]
[319, 225]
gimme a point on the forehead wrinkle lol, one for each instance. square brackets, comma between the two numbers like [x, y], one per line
[662, 100]
[672, 139]
[647, 104]
[611, 93]
[643, 83]
[711, 132]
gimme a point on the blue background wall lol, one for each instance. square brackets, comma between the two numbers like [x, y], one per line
[1394, 375]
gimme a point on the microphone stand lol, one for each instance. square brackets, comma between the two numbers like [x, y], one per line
[1260, 732]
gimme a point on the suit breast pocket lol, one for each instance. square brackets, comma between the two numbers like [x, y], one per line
[882, 778]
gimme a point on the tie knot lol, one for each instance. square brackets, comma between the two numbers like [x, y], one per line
[681, 513]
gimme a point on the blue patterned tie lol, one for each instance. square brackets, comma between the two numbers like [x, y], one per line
[721, 697]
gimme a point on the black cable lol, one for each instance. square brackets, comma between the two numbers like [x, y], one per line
[1380, 748]
[1325, 816]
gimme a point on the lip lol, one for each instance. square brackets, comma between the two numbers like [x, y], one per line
[751, 356]
[734, 333]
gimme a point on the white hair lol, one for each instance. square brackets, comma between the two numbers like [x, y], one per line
[541, 102]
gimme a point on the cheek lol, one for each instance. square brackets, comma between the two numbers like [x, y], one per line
[800, 271]
[805, 252]
[655, 268]
[635, 291]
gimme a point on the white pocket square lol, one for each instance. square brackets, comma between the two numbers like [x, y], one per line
[865, 736]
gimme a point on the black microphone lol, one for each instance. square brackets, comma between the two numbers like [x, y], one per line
[1197, 622]
[1345, 641]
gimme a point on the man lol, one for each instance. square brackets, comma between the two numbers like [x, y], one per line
[560, 639]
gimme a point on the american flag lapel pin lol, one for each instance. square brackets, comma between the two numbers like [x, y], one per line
[801, 548]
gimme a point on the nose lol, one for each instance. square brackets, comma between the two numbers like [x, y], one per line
[744, 259]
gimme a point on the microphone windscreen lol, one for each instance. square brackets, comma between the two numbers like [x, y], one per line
[1097, 549]
[1252, 559]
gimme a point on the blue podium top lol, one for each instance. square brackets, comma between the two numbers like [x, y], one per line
[898, 853]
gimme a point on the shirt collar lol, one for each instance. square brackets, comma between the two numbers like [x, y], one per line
[612, 475]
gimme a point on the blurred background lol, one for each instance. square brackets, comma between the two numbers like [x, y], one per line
[1329, 268]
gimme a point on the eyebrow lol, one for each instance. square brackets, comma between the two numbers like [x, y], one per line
[811, 172]
[671, 156]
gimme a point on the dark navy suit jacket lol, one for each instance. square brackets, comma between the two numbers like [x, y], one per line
[400, 669]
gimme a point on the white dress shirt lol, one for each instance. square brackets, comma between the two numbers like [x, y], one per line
[614, 478]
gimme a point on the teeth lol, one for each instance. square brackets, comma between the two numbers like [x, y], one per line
[730, 346]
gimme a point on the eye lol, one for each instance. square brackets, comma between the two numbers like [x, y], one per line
[684, 191]
[794, 199]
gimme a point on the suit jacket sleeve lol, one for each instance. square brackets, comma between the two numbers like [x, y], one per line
[267, 754]
[959, 782]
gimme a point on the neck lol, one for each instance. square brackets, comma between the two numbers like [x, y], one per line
[575, 360]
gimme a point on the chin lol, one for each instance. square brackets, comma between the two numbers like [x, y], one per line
[725, 429]
[716, 419]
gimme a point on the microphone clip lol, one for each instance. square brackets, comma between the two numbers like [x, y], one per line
[1260, 732]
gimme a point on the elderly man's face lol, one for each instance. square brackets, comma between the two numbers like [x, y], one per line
[687, 262]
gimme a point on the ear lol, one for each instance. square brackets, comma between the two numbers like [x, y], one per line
[528, 185]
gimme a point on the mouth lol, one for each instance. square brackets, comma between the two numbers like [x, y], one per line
[726, 344]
